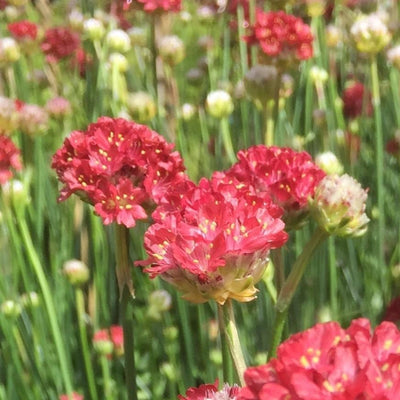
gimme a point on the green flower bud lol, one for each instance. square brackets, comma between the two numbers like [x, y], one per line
[333, 36]
[260, 83]
[9, 51]
[339, 206]
[16, 193]
[94, 29]
[138, 36]
[141, 107]
[118, 40]
[171, 333]
[118, 61]
[318, 75]
[188, 111]
[171, 49]
[219, 104]
[329, 163]
[11, 309]
[30, 300]
[159, 301]
[76, 272]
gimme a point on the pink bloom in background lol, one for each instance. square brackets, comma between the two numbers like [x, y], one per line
[123, 168]
[58, 107]
[59, 43]
[214, 242]
[108, 341]
[356, 100]
[156, 5]
[287, 176]
[282, 36]
[75, 396]
[328, 362]
[9, 159]
[23, 30]
[211, 392]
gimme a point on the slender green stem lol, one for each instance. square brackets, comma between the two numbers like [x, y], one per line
[80, 309]
[280, 320]
[269, 122]
[226, 139]
[227, 321]
[107, 384]
[226, 358]
[333, 277]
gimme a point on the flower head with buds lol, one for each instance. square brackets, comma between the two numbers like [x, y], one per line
[339, 206]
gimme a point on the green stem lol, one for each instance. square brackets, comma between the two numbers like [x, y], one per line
[48, 301]
[333, 277]
[226, 358]
[227, 321]
[269, 122]
[126, 295]
[226, 139]
[105, 370]
[80, 309]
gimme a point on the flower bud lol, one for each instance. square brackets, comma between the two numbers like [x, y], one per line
[159, 301]
[169, 371]
[171, 333]
[318, 75]
[138, 36]
[329, 163]
[188, 111]
[76, 272]
[370, 34]
[15, 193]
[102, 343]
[118, 61]
[30, 300]
[94, 29]
[76, 20]
[339, 206]
[9, 51]
[315, 8]
[171, 49]
[393, 56]
[333, 36]
[141, 107]
[118, 40]
[195, 76]
[11, 309]
[219, 104]
[260, 82]
[12, 13]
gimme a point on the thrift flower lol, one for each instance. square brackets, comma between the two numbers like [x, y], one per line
[171, 49]
[219, 103]
[75, 396]
[59, 43]
[23, 30]
[356, 100]
[9, 159]
[151, 6]
[211, 392]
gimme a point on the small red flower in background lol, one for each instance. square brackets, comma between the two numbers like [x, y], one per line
[9, 159]
[59, 43]
[123, 168]
[211, 392]
[328, 362]
[75, 396]
[156, 5]
[287, 176]
[23, 30]
[108, 341]
[281, 36]
[356, 101]
[214, 242]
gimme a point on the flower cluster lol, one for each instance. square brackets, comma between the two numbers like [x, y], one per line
[328, 362]
[281, 36]
[356, 100]
[211, 392]
[109, 341]
[9, 159]
[59, 43]
[215, 242]
[158, 5]
[287, 176]
[23, 30]
[121, 167]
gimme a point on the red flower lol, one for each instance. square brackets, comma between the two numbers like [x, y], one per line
[120, 167]
[287, 176]
[23, 30]
[211, 392]
[75, 396]
[81, 60]
[215, 242]
[59, 43]
[281, 35]
[328, 362]
[356, 100]
[156, 5]
[107, 341]
[9, 159]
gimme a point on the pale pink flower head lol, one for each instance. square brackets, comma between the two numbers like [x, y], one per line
[58, 107]
[32, 119]
[123, 168]
[287, 176]
[213, 242]
[9, 159]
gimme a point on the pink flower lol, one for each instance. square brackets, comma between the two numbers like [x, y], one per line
[156, 5]
[214, 242]
[287, 176]
[9, 159]
[211, 392]
[123, 168]
[281, 36]
[75, 396]
[59, 43]
[108, 341]
[23, 30]
[328, 362]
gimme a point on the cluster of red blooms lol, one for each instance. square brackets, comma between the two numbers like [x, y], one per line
[59, 43]
[287, 176]
[281, 36]
[23, 30]
[356, 101]
[112, 338]
[211, 392]
[328, 362]
[156, 5]
[121, 167]
[215, 243]
[9, 159]
[75, 396]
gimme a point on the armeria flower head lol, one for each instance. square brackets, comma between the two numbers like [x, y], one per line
[284, 38]
[59, 43]
[339, 206]
[287, 176]
[108, 341]
[9, 159]
[151, 6]
[329, 362]
[211, 392]
[214, 242]
[23, 30]
[75, 396]
[8, 115]
[121, 167]
[356, 99]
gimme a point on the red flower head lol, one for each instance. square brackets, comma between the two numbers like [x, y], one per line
[121, 167]
[9, 159]
[151, 6]
[215, 243]
[107, 341]
[356, 101]
[81, 61]
[284, 38]
[211, 392]
[23, 30]
[287, 176]
[75, 396]
[328, 362]
[59, 43]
